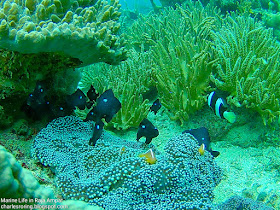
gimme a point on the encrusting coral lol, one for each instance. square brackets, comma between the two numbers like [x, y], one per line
[116, 178]
[129, 81]
[17, 182]
[86, 30]
[248, 66]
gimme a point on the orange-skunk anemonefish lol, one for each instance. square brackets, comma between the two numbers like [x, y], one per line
[201, 149]
[203, 138]
[219, 106]
[122, 150]
[150, 156]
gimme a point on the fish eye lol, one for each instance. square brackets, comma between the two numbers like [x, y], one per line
[203, 138]
[97, 127]
[80, 97]
[143, 126]
[60, 108]
[105, 100]
[41, 90]
[31, 95]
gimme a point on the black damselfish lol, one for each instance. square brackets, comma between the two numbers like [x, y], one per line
[91, 116]
[202, 136]
[37, 106]
[77, 99]
[148, 130]
[91, 94]
[45, 103]
[107, 106]
[37, 97]
[156, 106]
[97, 131]
[60, 110]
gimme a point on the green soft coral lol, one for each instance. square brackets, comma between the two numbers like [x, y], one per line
[182, 77]
[183, 59]
[129, 81]
[248, 66]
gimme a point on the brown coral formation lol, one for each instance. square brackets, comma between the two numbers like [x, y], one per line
[86, 30]
[40, 38]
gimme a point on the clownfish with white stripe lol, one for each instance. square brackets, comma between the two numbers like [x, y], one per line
[220, 107]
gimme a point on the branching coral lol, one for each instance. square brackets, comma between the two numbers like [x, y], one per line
[248, 66]
[80, 29]
[129, 81]
[147, 31]
[179, 40]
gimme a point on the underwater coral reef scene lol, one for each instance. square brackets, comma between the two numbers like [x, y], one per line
[140, 104]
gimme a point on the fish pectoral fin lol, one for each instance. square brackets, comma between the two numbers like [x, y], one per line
[229, 116]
